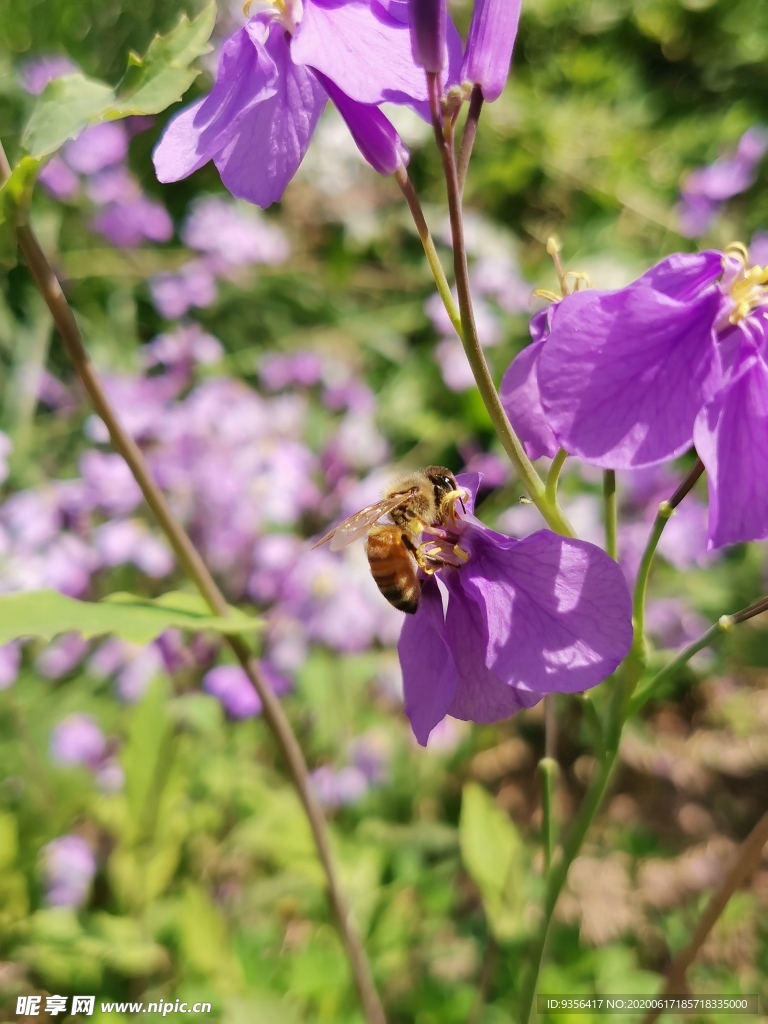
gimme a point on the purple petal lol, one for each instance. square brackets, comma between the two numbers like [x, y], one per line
[558, 611]
[429, 674]
[245, 78]
[623, 374]
[272, 137]
[97, 147]
[374, 134]
[731, 437]
[481, 696]
[361, 47]
[491, 39]
[521, 399]
[685, 275]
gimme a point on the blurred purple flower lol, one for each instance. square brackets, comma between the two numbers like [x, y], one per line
[233, 689]
[109, 484]
[338, 787]
[97, 147]
[758, 249]
[186, 346]
[139, 669]
[77, 739]
[234, 235]
[36, 73]
[371, 754]
[257, 122]
[129, 223]
[10, 661]
[121, 541]
[518, 620]
[110, 777]
[115, 184]
[705, 190]
[278, 370]
[59, 179]
[61, 656]
[68, 868]
[490, 42]
[193, 285]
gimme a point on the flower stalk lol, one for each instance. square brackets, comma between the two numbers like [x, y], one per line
[610, 506]
[198, 572]
[529, 478]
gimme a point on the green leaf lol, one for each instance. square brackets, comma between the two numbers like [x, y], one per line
[163, 75]
[493, 854]
[66, 106]
[46, 612]
[15, 196]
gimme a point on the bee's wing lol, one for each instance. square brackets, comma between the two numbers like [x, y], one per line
[360, 523]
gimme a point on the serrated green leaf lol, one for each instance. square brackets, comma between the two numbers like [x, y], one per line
[163, 75]
[15, 196]
[493, 854]
[66, 106]
[46, 613]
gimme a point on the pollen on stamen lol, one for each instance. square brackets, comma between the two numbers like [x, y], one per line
[749, 289]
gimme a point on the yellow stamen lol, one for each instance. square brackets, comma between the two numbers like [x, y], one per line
[576, 278]
[750, 289]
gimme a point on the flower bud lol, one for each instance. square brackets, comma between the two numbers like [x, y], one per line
[489, 45]
[374, 134]
[427, 21]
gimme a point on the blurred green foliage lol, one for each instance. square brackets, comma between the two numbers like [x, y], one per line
[208, 886]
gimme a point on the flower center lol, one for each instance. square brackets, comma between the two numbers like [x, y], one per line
[747, 286]
[287, 12]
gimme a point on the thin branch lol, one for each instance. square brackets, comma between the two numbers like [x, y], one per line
[553, 476]
[530, 479]
[198, 572]
[745, 865]
[469, 135]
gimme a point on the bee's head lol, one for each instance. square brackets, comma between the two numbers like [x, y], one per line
[442, 479]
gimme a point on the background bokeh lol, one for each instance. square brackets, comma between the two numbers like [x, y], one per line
[277, 369]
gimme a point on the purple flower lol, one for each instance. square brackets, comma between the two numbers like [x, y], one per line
[109, 484]
[6, 447]
[10, 660]
[491, 39]
[59, 179]
[35, 74]
[514, 621]
[61, 656]
[192, 285]
[140, 668]
[127, 224]
[232, 687]
[97, 148]
[128, 540]
[235, 235]
[705, 190]
[339, 787]
[184, 346]
[274, 79]
[68, 868]
[632, 378]
[77, 739]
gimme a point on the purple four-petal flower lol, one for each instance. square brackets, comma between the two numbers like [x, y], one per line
[520, 619]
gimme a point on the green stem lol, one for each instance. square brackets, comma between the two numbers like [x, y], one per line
[557, 876]
[530, 479]
[194, 566]
[611, 512]
[435, 266]
[553, 476]
[722, 626]
[550, 771]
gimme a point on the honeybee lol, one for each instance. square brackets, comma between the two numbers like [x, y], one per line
[420, 502]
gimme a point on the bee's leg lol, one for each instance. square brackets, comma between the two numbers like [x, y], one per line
[432, 556]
